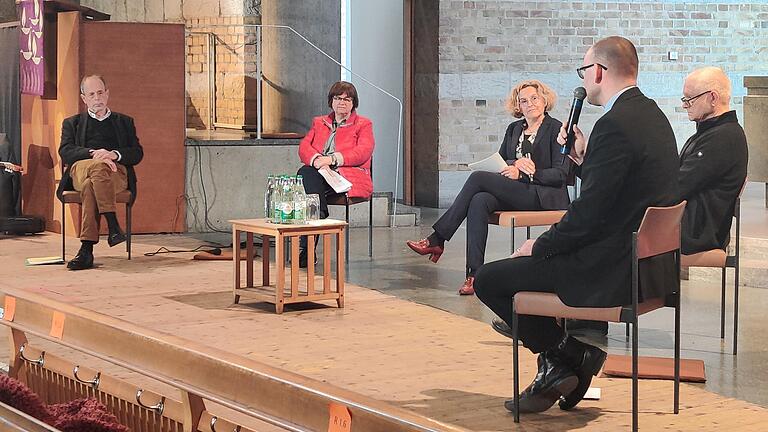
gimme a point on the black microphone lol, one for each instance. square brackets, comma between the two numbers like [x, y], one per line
[526, 149]
[579, 93]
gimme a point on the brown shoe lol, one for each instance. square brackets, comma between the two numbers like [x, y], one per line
[422, 247]
[467, 288]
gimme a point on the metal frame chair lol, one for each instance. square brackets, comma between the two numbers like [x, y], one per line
[346, 201]
[659, 233]
[73, 197]
[718, 258]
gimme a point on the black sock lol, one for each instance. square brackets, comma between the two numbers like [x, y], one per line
[87, 246]
[435, 239]
[112, 222]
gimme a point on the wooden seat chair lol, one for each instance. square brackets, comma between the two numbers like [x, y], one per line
[345, 200]
[73, 197]
[659, 233]
[718, 258]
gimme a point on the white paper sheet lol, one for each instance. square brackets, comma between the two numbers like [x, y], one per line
[493, 163]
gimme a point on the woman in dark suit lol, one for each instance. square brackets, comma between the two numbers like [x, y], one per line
[534, 179]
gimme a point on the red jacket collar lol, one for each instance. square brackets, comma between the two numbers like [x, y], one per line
[352, 119]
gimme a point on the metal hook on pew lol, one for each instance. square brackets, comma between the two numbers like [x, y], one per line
[39, 362]
[93, 383]
[213, 425]
[157, 408]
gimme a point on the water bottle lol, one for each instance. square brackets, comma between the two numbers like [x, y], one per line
[277, 206]
[287, 214]
[268, 198]
[299, 202]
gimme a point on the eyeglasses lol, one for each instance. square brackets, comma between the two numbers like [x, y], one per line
[580, 71]
[342, 99]
[534, 100]
[92, 95]
[688, 101]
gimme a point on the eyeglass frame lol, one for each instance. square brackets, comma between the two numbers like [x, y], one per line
[687, 102]
[580, 71]
[343, 99]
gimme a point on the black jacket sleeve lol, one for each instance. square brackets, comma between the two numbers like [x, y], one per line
[558, 165]
[508, 144]
[606, 164]
[132, 153]
[69, 151]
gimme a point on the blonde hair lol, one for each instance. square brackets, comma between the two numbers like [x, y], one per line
[546, 93]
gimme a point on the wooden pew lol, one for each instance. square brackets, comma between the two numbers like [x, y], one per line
[200, 374]
[13, 420]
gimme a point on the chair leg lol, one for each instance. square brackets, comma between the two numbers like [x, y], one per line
[63, 233]
[626, 327]
[677, 354]
[370, 228]
[515, 365]
[735, 305]
[512, 235]
[722, 304]
[346, 238]
[128, 208]
[527, 233]
[634, 377]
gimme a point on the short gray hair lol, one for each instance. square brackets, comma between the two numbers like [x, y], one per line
[82, 82]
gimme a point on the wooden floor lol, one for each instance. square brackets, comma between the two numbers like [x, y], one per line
[450, 368]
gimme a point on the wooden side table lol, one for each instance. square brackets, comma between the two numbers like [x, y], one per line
[277, 294]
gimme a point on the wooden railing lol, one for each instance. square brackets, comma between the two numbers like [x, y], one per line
[200, 374]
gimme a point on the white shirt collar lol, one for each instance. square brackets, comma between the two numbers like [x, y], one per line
[94, 116]
[613, 99]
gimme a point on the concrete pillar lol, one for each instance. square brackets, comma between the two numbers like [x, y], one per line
[756, 128]
[296, 76]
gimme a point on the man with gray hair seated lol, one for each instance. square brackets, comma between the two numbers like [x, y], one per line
[713, 162]
[100, 148]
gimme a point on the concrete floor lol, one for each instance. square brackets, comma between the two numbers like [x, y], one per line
[396, 270]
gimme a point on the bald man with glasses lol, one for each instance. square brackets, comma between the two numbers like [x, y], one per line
[713, 162]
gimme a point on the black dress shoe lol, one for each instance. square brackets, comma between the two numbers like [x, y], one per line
[115, 238]
[82, 261]
[553, 380]
[586, 360]
[500, 326]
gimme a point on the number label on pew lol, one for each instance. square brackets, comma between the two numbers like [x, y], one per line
[10, 308]
[57, 325]
[339, 418]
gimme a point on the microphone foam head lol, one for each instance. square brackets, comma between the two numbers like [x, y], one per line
[580, 93]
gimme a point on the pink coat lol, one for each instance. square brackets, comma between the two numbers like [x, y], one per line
[354, 141]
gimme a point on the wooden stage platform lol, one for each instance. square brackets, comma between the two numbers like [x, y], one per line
[450, 368]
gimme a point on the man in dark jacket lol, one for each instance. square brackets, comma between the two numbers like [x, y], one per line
[629, 164]
[713, 162]
[99, 148]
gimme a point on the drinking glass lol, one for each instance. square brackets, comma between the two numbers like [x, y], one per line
[313, 207]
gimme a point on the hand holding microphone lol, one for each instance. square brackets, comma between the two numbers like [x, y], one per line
[571, 138]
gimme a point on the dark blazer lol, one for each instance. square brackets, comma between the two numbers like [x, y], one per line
[713, 167]
[552, 168]
[630, 164]
[72, 147]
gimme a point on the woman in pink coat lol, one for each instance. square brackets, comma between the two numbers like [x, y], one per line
[342, 141]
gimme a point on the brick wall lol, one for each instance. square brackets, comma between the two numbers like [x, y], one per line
[487, 46]
[235, 65]
[235, 78]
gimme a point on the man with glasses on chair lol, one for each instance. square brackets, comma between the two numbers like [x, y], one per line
[713, 162]
[99, 148]
[629, 164]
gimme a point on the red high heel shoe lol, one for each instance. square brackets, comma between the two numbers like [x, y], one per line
[468, 287]
[422, 247]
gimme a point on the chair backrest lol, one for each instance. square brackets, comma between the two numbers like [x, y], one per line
[659, 230]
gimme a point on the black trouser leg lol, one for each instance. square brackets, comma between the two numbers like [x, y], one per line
[481, 206]
[497, 282]
[511, 194]
[314, 183]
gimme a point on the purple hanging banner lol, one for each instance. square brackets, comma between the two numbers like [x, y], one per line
[32, 73]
